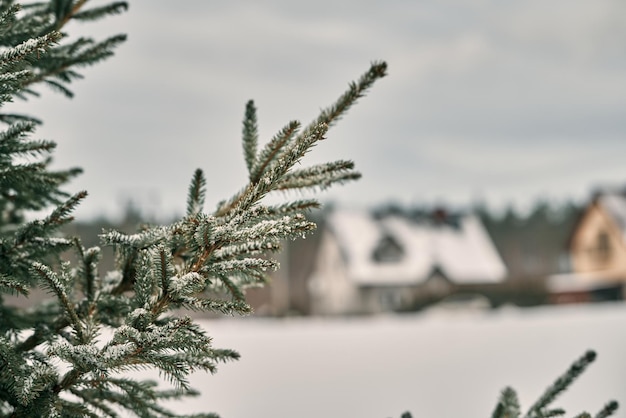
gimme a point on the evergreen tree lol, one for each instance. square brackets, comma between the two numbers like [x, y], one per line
[203, 262]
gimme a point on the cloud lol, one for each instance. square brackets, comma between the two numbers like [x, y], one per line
[512, 99]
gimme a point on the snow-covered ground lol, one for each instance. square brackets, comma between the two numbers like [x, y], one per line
[436, 366]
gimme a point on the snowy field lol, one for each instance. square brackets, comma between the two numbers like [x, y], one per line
[436, 365]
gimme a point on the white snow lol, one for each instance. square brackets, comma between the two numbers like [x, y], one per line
[435, 366]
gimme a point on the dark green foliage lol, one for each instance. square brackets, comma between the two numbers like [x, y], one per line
[608, 410]
[250, 137]
[508, 404]
[98, 12]
[195, 197]
[539, 408]
[37, 30]
[204, 261]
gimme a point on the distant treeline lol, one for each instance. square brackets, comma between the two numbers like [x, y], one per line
[532, 244]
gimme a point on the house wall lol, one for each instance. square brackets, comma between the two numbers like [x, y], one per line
[378, 299]
[331, 290]
[273, 298]
[598, 246]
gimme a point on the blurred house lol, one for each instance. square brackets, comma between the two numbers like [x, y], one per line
[366, 264]
[597, 249]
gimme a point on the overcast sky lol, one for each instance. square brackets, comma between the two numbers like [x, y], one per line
[490, 100]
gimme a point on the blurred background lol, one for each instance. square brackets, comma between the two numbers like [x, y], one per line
[486, 101]
[486, 242]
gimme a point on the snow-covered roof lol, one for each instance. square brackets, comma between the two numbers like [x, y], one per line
[464, 254]
[615, 205]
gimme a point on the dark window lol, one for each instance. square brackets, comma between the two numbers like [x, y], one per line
[388, 250]
[603, 247]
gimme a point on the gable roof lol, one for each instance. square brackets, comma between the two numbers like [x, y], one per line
[464, 254]
[387, 250]
[614, 205]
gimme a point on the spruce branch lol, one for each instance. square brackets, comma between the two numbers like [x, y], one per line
[297, 206]
[41, 334]
[13, 143]
[8, 17]
[11, 118]
[254, 247]
[59, 88]
[558, 412]
[134, 396]
[291, 155]
[508, 405]
[59, 63]
[144, 285]
[272, 149]
[319, 176]
[196, 194]
[234, 290]
[32, 45]
[139, 241]
[285, 149]
[10, 84]
[356, 90]
[202, 262]
[250, 137]
[52, 281]
[245, 266]
[59, 217]
[23, 379]
[11, 285]
[165, 268]
[33, 147]
[225, 307]
[77, 409]
[10, 365]
[286, 226]
[562, 383]
[88, 270]
[176, 348]
[96, 13]
[259, 172]
[186, 285]
[608, 410]
[28, 50]
[64, 11]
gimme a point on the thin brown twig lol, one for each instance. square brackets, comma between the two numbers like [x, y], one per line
[66, 18]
